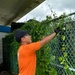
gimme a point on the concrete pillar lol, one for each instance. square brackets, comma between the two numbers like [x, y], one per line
[2, 35]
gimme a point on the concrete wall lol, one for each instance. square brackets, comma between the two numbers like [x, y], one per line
[2, 35]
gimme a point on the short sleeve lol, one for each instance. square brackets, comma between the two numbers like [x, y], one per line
[31, 48]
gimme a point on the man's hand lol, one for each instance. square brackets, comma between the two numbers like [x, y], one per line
[57, 30]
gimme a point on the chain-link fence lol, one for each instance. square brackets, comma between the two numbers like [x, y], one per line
[64, 50]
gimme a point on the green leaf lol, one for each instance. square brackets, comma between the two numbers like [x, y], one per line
[63, 37]
[66, 67]
[60, 58]
[63, 48]
[65, 54]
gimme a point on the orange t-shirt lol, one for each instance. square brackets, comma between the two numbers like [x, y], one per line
[27, 58]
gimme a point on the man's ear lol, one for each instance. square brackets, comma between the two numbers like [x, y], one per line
[22, 39]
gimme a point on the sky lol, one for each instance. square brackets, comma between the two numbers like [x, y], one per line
[48, 7]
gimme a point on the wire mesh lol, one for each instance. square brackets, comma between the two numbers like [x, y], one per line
[64, 50]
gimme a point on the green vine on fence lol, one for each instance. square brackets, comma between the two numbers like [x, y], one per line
[45, 56]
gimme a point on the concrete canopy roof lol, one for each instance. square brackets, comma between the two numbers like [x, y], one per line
[13, 10]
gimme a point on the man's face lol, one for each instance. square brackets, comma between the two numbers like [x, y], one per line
[26, 39]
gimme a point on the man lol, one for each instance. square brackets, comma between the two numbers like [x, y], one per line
[27, 50]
